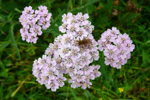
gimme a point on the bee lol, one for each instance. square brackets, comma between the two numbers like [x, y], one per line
[85, 43]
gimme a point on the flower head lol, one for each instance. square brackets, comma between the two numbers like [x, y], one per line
[71, 53]
[33, 21]
[117, 47]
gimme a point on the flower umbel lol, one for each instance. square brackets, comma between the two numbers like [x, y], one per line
[33, 21]
[117, 47]
[71, 53]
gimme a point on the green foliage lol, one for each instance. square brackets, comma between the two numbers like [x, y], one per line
[132, 81]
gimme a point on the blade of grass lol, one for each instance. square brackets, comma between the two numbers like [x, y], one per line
[70, 4]
[1, 92]
[74, 95]
[87, 4]
[13, 41]
[3, 45]
[14, 93]
[60, 11]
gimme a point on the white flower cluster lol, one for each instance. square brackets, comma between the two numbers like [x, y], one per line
[71, 53]
[117, 47]
[33, 21]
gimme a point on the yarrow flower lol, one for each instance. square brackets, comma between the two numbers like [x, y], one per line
[117, 47]
[71, 53]
[76, 25]
[33, 21]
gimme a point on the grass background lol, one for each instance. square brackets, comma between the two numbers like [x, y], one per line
[131, 82]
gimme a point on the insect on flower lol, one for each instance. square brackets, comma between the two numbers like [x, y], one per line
[85, 43]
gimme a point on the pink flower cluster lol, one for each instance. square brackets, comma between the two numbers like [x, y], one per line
[33, 21]
[76, 25]
[71, 54]
[117, 47]
[46, 72]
